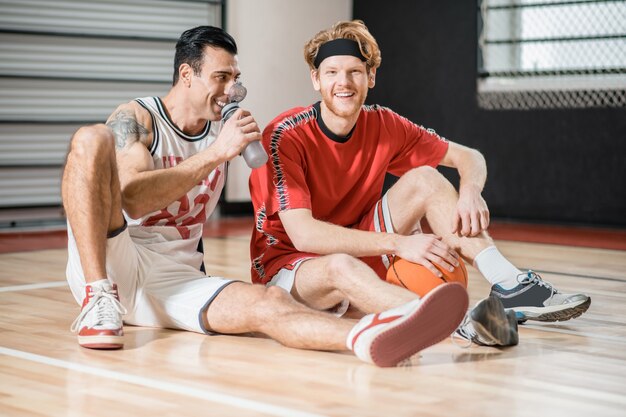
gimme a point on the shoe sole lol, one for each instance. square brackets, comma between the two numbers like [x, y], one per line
[494, 324]
[101, 342]
[434, 319]
[551, 316]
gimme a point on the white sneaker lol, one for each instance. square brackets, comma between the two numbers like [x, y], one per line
[99, 324]
[392, 336]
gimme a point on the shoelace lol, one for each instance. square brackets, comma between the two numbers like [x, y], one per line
[106, 310]
[532, 278]
[462, 332]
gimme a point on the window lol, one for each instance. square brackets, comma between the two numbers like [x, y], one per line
[551, 54]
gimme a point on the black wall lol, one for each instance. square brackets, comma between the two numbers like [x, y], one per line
[552, 165]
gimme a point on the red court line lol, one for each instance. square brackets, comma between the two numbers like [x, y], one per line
[560, 235]
[604, 238]
[229, 227]
[29, 241]
[590, 237]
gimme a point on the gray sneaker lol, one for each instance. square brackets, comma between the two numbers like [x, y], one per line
[536, 299]
[488, 324]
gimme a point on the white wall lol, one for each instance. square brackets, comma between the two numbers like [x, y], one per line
[270, 35]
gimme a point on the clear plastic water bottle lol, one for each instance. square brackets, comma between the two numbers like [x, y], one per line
[254, 154]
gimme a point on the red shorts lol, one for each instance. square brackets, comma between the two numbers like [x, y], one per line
[378, 219]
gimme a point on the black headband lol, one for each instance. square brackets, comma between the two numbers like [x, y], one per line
[338, 47]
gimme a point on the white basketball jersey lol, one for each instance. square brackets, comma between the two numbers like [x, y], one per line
[177, 229]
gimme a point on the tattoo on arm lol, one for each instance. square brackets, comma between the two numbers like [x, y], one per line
[126, 129]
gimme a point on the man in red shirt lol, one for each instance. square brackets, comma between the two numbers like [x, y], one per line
[324, 233]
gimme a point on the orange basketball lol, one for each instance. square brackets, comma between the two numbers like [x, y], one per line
[420, 280]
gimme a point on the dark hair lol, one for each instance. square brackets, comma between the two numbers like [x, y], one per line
[191, 44]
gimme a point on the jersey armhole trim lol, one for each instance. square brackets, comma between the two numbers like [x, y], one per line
[155, 130]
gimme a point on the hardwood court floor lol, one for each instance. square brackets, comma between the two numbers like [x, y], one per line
[574, 368]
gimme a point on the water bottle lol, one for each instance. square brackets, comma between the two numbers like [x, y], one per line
[254, 154]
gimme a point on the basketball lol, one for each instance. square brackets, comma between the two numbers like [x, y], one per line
[419, 279]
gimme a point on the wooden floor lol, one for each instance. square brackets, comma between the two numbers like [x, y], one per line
[575, 368]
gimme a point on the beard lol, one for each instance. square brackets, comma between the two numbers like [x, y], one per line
[343, 108]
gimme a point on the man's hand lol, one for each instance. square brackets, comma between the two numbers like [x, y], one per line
[472, 215]
[427, 250]
[237, 133]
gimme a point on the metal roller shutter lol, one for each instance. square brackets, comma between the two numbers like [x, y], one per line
[67, 63]
[143, 19]
[36, 100]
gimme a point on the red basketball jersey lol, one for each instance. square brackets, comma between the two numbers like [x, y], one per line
[338, 179]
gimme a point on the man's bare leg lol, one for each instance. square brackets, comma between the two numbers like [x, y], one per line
[324, 282]
[242, 308]
[91, 196]
[383, 339]
[92, 201]
[425, 192]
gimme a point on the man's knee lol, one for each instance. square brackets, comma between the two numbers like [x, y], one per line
[90, 142]
[424, 180]
[268, 301]
[341, 267]
[276, 295]
[426, 175]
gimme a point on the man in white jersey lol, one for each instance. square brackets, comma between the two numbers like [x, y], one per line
[137, 192]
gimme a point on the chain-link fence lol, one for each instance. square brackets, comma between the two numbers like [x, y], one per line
[551, 53]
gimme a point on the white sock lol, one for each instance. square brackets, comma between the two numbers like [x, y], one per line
[100, 284]
[496, 268]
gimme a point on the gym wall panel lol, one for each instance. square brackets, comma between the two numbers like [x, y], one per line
[270, 35]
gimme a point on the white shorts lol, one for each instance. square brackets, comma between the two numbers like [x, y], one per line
[156, 290]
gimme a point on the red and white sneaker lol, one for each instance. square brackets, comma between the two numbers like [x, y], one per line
[99, 324]
[387, 338]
